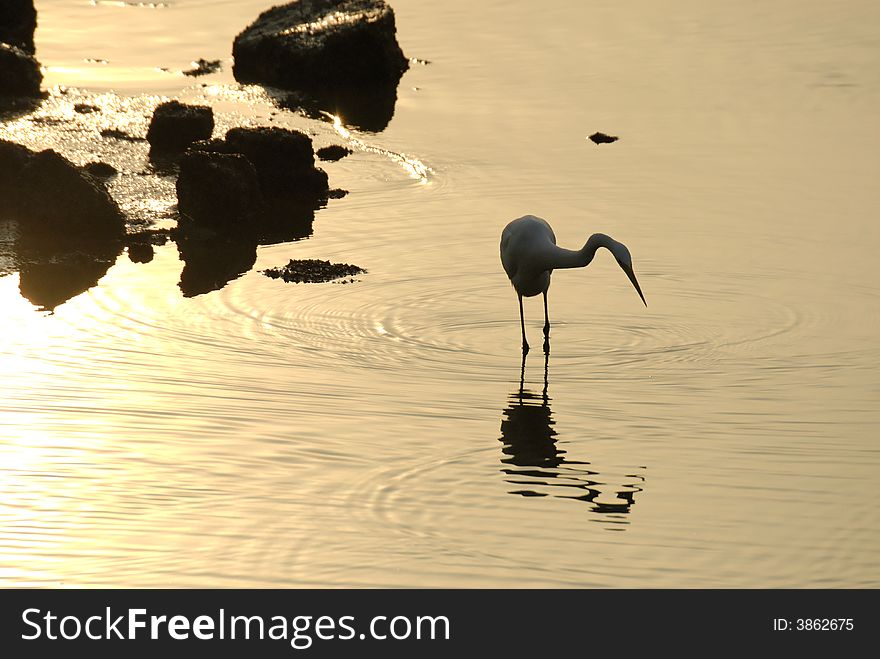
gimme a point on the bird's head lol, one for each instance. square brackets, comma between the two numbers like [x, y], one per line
[624, 260]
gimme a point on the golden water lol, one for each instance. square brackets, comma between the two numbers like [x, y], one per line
[377, 433]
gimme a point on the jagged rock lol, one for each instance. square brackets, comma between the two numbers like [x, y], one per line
[320, 44]
[175, 125]
[54, 201]
[69, 229]
[61, 201]
[18, 20]
[203, 67]
[284, 160]
[13, 158]
[20, 73]
[218, 189]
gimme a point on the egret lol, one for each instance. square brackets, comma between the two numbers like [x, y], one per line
[529, 255]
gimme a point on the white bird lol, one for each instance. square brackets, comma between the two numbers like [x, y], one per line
[529, 255]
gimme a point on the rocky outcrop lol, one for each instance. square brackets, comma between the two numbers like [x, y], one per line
[69, 230]
[283, 159]
[340, 56]
[320, 43]
[55, 201]
[18, 21]
[20, 73]
[176, 125]
[218, 189]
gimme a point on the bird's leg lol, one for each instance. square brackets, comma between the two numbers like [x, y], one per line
[522, 324]
[546, 327]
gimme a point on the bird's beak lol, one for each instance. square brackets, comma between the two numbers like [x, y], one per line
[635, 282]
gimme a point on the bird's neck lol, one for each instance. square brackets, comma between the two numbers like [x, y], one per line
[578, 258]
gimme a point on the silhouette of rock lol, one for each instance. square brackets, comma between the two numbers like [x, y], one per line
[313, 271]
[283, 159]
[316, 43]
[175, 126]
[602, 138]
[342, 55]
[218, 189]
[333, 152]
[54, 201]
[69, 229]
[18, 20]
[62, 202]
[20, 73]
[203, 67]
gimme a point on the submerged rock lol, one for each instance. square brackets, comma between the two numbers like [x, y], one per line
[320, 43]
[18, 20]
[313, 271]
[175, 126]
[203, 67]
[20, 73]
[602, 138]
[218, 189]
[333, 152]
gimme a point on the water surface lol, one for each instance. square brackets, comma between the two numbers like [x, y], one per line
[385, 432]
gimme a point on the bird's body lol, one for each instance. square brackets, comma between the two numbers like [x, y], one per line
[529, 254]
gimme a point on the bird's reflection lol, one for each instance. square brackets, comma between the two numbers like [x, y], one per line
[534, 462]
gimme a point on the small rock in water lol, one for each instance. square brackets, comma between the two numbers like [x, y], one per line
[176, 125]
[333, 152]
[313, 271]
[20, 73]
[602, 138]
[203, 67]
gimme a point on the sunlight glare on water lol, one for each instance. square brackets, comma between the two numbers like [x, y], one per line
[384, 432]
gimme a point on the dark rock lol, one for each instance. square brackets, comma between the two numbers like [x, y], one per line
[69, 229]
[319, 43]
[203, 67]
[18, 20]
[139, 252]
[175, 125]
[100, 170]
[602, 138]
[13, 158]
[56, 202]
[218, 189]
[313, 271]
[336, 193]
[20, 73]
[284, 160]
[333, 152]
